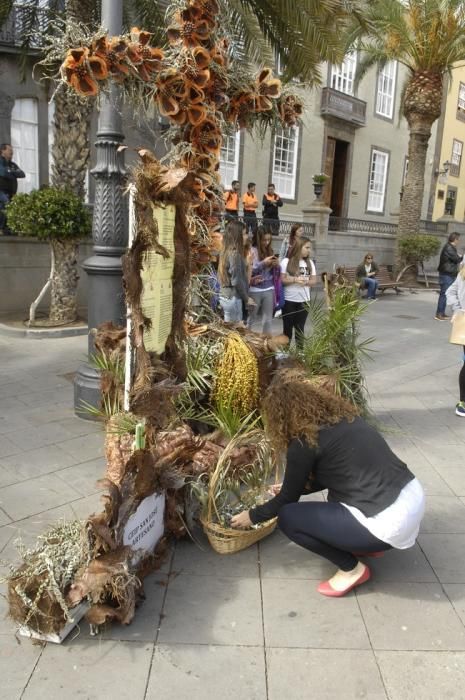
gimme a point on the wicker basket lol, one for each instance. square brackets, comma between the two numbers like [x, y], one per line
[227, 540]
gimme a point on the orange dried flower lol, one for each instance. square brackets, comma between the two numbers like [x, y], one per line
[81, 71]
[114, 53]
[207, 137]
[171, 91]
[190, 27]
[145, 59]
[266, 87]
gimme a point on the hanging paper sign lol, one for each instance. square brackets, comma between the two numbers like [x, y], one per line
[157, 287]
[145, 527]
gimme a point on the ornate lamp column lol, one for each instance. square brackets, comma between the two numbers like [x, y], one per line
[109, 228]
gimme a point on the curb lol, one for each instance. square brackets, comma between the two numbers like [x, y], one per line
[39, 333]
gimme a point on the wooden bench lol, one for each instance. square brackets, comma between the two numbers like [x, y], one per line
[384, 278]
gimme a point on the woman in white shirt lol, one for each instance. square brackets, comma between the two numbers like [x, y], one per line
[298, 274]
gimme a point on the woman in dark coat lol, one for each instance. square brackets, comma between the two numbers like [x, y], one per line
[374, 501]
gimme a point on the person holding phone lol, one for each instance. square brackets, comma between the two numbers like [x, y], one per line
[265, 265]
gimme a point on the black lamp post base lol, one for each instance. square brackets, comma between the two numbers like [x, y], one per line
[87, 392]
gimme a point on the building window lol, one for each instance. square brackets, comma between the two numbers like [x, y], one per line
[461, 103]
[343, 76]
[377, 182]
[456, 158]
[386, 90]
[286, 146]
[25, 142]
[229, 159]
[451, 200]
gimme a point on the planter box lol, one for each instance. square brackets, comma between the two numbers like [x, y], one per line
[57, 638]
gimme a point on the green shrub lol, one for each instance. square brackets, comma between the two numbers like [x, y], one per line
[49, 213]
[418, 247]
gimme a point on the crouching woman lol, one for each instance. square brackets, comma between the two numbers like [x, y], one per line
[374, 503]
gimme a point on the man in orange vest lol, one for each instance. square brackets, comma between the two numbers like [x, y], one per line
[231, 200]
[250, 204]
[271, 202]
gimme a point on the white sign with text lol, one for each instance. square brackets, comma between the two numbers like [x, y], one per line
[145, 527]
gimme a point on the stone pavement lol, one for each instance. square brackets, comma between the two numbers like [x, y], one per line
[251, 625]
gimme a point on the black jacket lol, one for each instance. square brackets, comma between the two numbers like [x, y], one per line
[449, 260]
[9, 174]
[352, 461]
[270, 209]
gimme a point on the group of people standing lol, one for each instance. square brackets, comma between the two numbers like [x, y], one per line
[255, 282]
[271, 203]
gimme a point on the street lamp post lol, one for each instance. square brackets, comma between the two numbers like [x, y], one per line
[109, 227]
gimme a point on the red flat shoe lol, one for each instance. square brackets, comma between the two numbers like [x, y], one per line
[325, 587]
[373, 555]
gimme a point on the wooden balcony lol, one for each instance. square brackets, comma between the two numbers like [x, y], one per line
[346, 107]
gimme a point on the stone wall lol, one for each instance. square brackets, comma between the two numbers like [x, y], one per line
[24, 269]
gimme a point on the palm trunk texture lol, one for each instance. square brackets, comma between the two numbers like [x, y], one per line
[70, 159]
[422, 106]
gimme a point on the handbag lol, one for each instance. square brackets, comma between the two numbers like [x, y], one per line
[457, 334]
[278, 289]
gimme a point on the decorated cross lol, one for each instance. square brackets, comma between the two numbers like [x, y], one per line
[195, 86]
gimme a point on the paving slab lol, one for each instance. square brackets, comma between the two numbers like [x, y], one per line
[200, 559]
[445, 554]
[17, 662]
[189, 671]
[402, 565]
[83, 477]
[418, 675]
[443, 515]
[323, 674]
[296, 615]
[35, 496]
[215, 611]
[280, 558]
[406, 615]
[104, 670]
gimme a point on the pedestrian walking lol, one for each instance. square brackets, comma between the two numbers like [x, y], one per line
[271, 203]
[298, 275]
[250, 206]
[374, 502]
[455, 297]
[262, 289]
[365, 275]
[449, 262]
[231, 200]
[10, 173]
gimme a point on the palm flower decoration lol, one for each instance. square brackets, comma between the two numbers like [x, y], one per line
[266, 87]
[143, 57]
[115, 54]
[82, 71]
[190, 27]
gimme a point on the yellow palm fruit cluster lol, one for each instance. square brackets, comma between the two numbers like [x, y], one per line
[236, 382]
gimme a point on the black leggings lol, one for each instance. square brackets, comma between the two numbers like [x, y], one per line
[294, 317]
[462, 379]
[330, 530]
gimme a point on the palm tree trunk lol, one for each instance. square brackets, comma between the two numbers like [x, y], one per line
[412, 198]
[63, 303]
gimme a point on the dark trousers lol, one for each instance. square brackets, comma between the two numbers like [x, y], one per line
[462, 378]
[250, 220]
[444, 283]
[294, 317]
[330, 530]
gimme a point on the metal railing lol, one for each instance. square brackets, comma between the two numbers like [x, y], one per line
[24, 23]
[347, 107]
[433, 226]
[280, 228]
[338, 223]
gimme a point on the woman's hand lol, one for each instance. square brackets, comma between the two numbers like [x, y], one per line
[241, 520]
[275, 489]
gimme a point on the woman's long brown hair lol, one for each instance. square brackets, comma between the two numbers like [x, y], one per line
[232, 244]
[296, 256]
[295, 406]
[264, 251]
